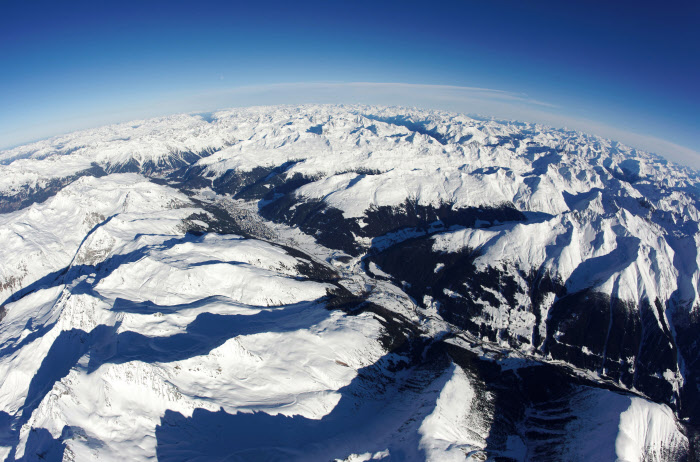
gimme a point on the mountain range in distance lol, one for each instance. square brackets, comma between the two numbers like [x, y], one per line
[346, 283]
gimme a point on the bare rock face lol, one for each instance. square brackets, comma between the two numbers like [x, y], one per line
[346, 283]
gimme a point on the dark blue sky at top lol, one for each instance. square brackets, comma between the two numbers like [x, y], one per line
[632, 65]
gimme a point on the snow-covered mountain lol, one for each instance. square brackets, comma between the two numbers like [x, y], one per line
[346, 282]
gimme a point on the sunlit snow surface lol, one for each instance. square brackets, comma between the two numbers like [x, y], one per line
[149, 311]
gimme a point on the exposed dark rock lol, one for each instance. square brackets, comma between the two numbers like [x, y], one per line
[27, 195]
[541, 284]
[314, 217]
[400, 334]
[166, 164]
[421, 126]
[656, 357]
[587, 329]
[385, 219]
[459, 288]
[234, 182]
[316, 129]
[539, 403]
[686, 322]
[330, 228]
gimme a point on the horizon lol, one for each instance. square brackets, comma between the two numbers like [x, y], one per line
[625, 72]
[680, 155]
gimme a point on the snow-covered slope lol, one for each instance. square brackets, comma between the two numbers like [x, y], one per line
[353, 283]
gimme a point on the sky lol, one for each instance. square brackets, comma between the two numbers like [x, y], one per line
[623, 70]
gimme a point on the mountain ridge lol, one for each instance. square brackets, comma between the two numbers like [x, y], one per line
[475, 243]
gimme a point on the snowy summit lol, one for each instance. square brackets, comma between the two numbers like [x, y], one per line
[350, 283]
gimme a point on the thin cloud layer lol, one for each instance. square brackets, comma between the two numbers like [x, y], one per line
[486, 102]
[469, 100]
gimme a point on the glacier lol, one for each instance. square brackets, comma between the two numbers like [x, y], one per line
[332, 282]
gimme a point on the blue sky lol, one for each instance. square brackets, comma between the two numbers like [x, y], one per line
[611, 68]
